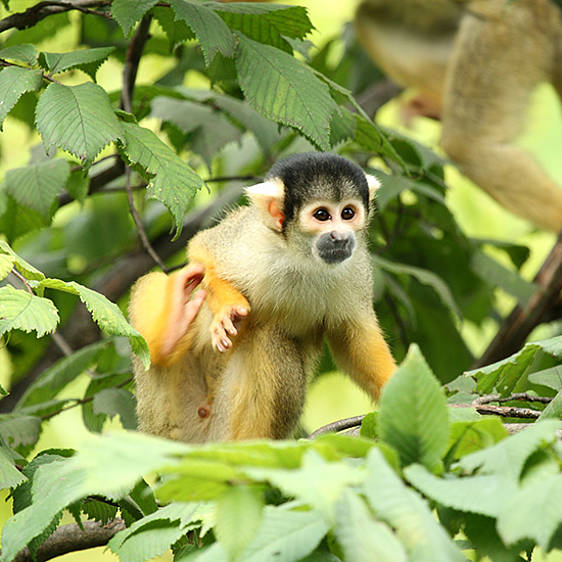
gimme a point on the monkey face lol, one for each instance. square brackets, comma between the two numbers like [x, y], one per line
[333, 228]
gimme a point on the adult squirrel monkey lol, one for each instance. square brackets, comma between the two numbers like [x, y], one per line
[475, 64]
[277, 276]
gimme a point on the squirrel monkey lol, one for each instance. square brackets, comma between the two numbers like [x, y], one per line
[475, 64]
[277, 276]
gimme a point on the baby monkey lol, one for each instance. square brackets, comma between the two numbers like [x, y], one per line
[230, 361]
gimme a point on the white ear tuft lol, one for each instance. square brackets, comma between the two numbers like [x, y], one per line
[272, 189]
[372, 182]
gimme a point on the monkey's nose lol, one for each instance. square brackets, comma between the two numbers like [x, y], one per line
[336, 236]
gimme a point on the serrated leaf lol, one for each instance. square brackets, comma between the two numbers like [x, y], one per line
[78, 119]
[37, 185]
[494, 273]
[97, 510]
[553, 409]
[25, 268]
[423, 276]
[16, 220]
[483, 494]
[284, 90]
[17, 429]
[10, 476]
[407, 513]
[106, 314]
[533, 512]
[22, 53]
[14, 82]
[508, 456]
[285, 536]
[361, 537]
[239, 513]
[213, 34]
[176, 30]
[503, 375]
[548, 377]
[129, 12]
[88, 60]
[20, 310]
[413, 415]
[174, 182]
[51, 381]
[470, 436]
[117, 401]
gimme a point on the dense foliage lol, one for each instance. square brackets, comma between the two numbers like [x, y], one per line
[117, 166]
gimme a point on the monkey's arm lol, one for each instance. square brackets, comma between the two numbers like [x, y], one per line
[161, 310]
[359, 348]
[228, 305]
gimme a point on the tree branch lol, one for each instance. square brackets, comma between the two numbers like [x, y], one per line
[36, 13]
[70, 538]
[336, 426]
[518, 325]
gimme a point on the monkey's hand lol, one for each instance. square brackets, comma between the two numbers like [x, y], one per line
[182, 307]
[226, 323]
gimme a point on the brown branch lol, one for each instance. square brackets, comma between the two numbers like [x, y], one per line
[70, 538]
[518, 325]
[336, 426]
[377, 95]
[486, 399]
[36, 13]
[505, 411]
[79, 330]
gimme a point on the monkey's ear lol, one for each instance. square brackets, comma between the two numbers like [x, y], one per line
[268, 198]
[373, 184]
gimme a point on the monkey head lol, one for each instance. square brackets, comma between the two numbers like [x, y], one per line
[317, 202]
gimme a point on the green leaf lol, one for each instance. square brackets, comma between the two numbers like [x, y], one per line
[88, 60]
[214, 130]
[51, 381]
[78, 119]
[289, 21]
[117, 401]
[491, 271]
[470, 436]
[285, 90]
[17, 429]
[213, 34]
[25, 268]
[413, 415]
[98, 510]
[14, 82]
[106, 314]
[423, 276]
[24, 52]
[37, 185]
[483, 494]
[239, 513]
[507, 457]
[407, 513]
[317, 482]
[6, 265]
[78, 185]
[504, 375]
[554, 409]
[285, 536]
[393, 185]
[128, 12]
[176, 30]
[10, 476]
[361, 537]
[548, 377]
[174, 182]
[20, 310]
[533, 512]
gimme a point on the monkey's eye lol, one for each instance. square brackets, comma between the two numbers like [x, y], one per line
[321, 215]
[348, 213]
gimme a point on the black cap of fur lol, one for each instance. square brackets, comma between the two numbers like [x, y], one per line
[318, 175]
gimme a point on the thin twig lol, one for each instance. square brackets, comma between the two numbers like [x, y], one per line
[22, 279]
[486, 399]
[61, 343]
[506, 411]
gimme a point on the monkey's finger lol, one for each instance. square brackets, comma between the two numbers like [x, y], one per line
[229, 326]
[193, 306]
[241, 311]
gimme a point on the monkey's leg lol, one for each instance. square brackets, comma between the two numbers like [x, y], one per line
[359, 349]
[498, 61]
[262, 390]
[227, 304]
[161, 310]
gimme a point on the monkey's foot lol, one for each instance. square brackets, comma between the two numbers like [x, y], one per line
[225, 323]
